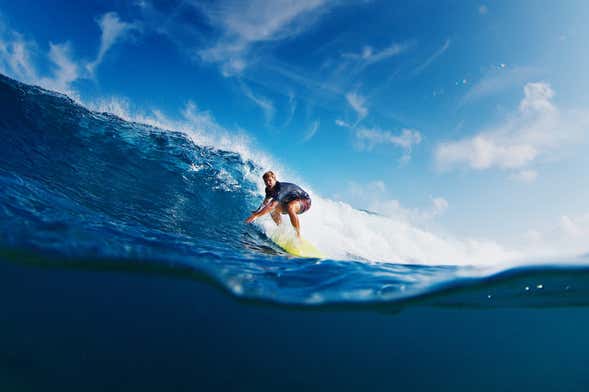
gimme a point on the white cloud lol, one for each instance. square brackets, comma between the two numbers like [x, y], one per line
[440, 205]
[372, 196]
[537, 129]
[434, 56]
[342, 123]
[484, 152]
[244, 24]
[66, 70]
[261, 20]
[311, 132]
[566, 237]
[367, 139]
[537, 98]
[15, 56]
[16, 60]
[112, 30]
[358, 103]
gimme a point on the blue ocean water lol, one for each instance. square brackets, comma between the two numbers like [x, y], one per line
[125, 265]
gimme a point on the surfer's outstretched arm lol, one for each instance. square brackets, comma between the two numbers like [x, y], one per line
[267, 208]
[262, 205]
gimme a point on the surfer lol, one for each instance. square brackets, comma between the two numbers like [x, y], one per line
[282, 198]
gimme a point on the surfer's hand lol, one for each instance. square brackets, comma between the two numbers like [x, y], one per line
[250, 219]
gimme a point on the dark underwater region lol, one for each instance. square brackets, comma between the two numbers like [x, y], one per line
[125, 265]
[135, 329]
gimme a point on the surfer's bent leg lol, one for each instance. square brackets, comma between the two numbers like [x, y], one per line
[293, 208]
[275, 214]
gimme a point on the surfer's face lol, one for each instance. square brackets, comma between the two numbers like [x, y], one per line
[270, 181]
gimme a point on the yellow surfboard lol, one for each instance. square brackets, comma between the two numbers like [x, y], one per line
[295, 246]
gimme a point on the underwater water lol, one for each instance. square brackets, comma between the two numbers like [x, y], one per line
[125, 265]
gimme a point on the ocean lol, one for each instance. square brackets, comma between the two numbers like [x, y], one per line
[125, 264]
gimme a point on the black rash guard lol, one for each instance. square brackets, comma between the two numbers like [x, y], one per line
[285, 192]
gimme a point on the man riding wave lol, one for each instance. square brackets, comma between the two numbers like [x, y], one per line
[282, 198]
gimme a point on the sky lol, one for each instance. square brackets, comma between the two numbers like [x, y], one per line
[468, 117]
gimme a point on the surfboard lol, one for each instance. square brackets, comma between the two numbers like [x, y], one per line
[299, 247]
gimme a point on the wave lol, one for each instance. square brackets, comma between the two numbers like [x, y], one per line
[78, 183]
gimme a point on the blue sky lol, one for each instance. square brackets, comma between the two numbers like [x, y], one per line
[471, 117]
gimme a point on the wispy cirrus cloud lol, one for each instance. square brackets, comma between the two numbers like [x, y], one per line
[292, 108]
[66, 70]
[369, 55]
[358, 103]
[262, 102]
[19, 57]
[311, 131]
[368, 138]
[535, 130]
[312, 87]
[348, 67]
[16, 55]
[433, 57]
[343, 124]
[241, 25]
[113, 30]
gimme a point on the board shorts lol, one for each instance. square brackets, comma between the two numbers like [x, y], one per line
[305, 204]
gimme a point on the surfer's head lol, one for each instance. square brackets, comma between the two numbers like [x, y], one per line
[269, 179]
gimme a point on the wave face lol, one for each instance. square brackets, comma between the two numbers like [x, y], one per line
[81, 185]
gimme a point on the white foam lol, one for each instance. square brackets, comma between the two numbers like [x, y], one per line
[344, 233]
